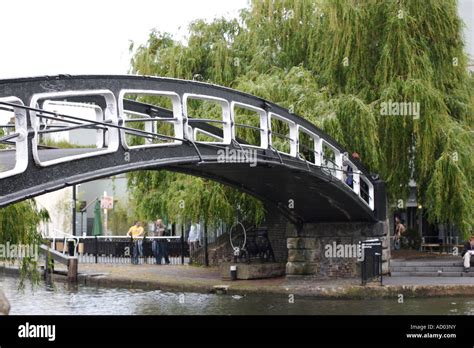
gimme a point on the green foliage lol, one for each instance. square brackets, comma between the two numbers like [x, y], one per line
[18, 222]
[183, 198]
[120, 219]
[295, 89]
[451, 188]
[335, 63]
[358, 127]
[2, 146]
[18, 225]
[62, 144]
[206, 56]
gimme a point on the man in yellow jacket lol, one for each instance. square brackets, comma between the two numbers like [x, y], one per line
[136, 232]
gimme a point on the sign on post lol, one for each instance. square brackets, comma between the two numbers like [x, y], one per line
[107, 202]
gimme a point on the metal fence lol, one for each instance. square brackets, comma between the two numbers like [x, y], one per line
[118, 249]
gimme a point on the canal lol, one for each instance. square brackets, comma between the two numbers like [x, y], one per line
[62, 299]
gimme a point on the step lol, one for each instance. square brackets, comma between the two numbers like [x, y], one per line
[426, 269]
[446, 263]
[432, 274]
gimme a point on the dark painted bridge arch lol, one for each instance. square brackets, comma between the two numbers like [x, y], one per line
[316, 187]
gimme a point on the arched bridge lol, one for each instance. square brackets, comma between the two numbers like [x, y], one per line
[63, 130]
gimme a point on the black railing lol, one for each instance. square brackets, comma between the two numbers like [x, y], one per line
[119, 249]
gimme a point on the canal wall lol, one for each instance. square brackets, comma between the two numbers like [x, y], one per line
[314, 251]
[303, 248]
[4, 304]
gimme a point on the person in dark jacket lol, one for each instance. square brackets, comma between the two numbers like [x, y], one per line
[467, 252]
[162, 243]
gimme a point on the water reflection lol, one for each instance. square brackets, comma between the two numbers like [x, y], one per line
[74, 300]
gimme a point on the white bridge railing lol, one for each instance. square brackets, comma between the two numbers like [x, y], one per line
[111, 127]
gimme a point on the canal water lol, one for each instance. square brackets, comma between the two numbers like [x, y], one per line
[62, 299]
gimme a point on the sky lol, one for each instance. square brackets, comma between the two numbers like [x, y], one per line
[51, 37]
[466, 12]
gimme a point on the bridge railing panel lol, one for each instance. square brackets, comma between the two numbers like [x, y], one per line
[13, 137]
[308, 146]
[367, 191]
[158, 113]
[282, 134]
[74, 119]
[88, 137]
[249, 124]
[352, 175]
[202, 111]
[332, 160]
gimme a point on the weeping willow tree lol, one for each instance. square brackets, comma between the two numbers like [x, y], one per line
[338, 64]
[183, 198]
[415, 57]
[18, 226]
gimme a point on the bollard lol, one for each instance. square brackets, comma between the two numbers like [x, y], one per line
[233, 272]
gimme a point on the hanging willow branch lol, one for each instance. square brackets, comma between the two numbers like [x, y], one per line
[335, 63]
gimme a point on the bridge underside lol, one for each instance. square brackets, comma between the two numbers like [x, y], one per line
[302, 193]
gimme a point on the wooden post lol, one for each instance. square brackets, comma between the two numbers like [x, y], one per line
[72, 268]
[71, 262]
